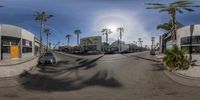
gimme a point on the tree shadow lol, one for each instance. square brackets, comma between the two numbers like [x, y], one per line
[47, 83]
[61, 66]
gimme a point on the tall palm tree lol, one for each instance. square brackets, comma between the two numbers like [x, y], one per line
[106, 32]
[171, 9]
[68, 36]
[47, 31]
[120, 30]
[42, 17]
[77, 32]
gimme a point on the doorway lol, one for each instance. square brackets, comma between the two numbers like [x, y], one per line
[14, 52]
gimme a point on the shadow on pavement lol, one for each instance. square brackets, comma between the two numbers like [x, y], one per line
[48, 83]
[61, 66]
[158, 67]
[149, 59]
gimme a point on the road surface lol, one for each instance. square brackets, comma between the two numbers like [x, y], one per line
[108, 77]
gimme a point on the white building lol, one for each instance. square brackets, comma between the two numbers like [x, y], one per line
[16, 42]
[184, 35]
[92, 43]
[115, 46]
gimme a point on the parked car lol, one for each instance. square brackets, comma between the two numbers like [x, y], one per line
[152, 52]
[47, 58]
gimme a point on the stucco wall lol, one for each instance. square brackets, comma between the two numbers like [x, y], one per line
[10, 30]
[28, 36]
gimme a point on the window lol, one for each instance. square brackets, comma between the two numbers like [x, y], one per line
[26, 50]
[195, 49]
[186, 40]
[5, 49]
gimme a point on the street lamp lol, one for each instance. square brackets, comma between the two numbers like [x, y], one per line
[191, 33]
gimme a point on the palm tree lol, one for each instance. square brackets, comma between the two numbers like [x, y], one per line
[47, 31]
[121, 30]
[42, 17]
[106, 32]
[77, 33]
[68, 36]
[172, 8]
[168, 26]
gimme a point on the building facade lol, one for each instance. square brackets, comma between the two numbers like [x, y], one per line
[16, 42]
[188, 38]
[93, 43]
[115, 46]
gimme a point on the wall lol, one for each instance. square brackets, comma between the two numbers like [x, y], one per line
[11, 31]
[0, 42]
[28, 36]
[96, 40]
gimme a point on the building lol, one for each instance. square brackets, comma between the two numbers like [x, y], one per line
[16, 42]
[188, 37]
[93, 43]
[115, 46]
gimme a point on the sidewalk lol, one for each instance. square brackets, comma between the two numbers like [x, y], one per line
[15, 62]
[10, 68]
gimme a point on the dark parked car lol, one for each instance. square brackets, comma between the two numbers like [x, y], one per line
[152, 52]
[47, 58]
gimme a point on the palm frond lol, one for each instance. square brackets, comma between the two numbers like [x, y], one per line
[163, 10]
[179, 10]
[188, 9]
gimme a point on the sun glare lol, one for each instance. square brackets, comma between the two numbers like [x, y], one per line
[112, 27]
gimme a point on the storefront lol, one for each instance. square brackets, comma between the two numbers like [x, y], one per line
[15, 42]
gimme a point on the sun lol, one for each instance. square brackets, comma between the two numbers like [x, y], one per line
[112, 27]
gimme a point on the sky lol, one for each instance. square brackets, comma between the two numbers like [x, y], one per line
[91, 16]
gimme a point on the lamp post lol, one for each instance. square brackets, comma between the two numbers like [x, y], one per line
[190, 48]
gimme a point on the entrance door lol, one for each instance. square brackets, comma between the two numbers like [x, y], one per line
[14, 51]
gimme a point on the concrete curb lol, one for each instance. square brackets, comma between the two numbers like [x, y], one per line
[182, 79]
[19, 62]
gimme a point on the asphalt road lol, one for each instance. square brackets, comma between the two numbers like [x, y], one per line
[108, 77]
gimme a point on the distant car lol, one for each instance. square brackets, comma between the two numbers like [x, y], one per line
[152, 52]
[47, 58]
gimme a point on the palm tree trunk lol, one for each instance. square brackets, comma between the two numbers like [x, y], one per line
[77, 39]
[107, 38]
[68, 41]
[41, 30]
[174, 28]
[47, 42]
[120, 45]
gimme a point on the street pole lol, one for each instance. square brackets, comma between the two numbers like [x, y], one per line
[190, 48]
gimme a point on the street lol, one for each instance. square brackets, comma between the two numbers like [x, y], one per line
[107, 77]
